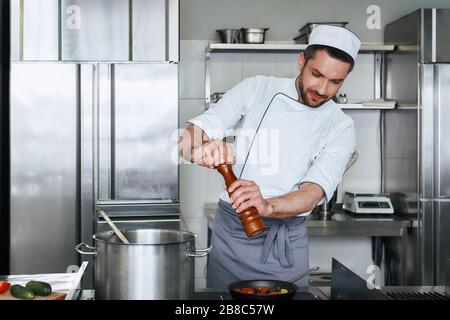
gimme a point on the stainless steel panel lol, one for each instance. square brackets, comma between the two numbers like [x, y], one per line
[139, 208]
[423, 32]
[426, 246]
[401, 257]
[442, 225]
[442, 35]
[86, 155]
[149, 30]
[40, 29]
[32, 37]
[442, 133]
[95, 30]
[173, 30]
[16, 30]
[404, 32]
[401, 77]
[43, 167]
[427, 35]
[145, 126]
[402, 64]
[145, 223]
[105, 112]
[401, 135]
[400, 172]
[427, 131]
[86, 163]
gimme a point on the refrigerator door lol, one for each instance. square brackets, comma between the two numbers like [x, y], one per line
[442, 173]
[426, 243]
[44, 191]
[434, 177]
[442, 241]
[142, 159]
[427, 131]
[146, 122]
[442, 139]
[434, 131]
[426, 178]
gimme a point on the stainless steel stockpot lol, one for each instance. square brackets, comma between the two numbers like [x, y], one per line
[158, 264]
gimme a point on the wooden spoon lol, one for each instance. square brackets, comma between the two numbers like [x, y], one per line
[113, 226]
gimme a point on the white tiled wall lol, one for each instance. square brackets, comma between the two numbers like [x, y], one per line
[192, 68]
[200, 185]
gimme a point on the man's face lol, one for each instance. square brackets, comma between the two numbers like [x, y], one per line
[320, 78]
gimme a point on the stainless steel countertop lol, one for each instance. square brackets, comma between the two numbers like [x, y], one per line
[326, 291]
[343, 223]
[317, 292]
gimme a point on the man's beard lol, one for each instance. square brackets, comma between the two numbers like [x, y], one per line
[303, 94]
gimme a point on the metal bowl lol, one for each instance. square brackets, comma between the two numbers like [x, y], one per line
[253, 35]
[229, 35]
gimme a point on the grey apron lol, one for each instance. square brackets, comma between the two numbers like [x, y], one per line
[280, 253]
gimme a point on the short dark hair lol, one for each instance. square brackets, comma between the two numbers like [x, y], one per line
[335, 53]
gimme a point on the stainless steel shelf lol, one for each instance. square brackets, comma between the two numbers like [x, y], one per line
[378, 51]
[361, 106]
[286, 47]
[347, 106]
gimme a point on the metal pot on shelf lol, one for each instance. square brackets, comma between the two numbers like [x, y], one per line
[158, 264]
[229, 35]
[253, 35]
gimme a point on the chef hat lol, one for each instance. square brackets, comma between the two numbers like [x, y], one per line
[336, 37]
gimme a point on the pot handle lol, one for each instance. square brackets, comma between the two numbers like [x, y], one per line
[199, 253]
[78, 249]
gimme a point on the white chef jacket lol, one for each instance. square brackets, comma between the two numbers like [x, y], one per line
[295, 143]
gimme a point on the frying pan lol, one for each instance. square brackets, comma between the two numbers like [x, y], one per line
[272, 284]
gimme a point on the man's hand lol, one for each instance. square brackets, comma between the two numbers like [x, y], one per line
[213, 153]
[245, 194]
[195, 146]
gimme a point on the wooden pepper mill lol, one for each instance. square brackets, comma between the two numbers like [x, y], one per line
[252, 222]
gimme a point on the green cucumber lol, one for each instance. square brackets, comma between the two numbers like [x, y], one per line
[39, 288]
[21, 292]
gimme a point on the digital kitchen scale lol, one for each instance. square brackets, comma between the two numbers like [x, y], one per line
[367, 203]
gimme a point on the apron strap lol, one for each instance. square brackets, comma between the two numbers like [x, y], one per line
[278, 239]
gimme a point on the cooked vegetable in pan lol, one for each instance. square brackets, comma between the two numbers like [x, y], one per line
[261, 291]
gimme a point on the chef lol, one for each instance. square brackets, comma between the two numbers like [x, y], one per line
[291, 149]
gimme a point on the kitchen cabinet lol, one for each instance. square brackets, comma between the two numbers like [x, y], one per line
[95, 30]
[378, 51]
[34, 38]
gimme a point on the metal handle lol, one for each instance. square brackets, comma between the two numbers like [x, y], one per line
[303, 274]
[78, 249]
[199, 253]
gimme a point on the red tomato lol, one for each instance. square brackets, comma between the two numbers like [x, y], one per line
[4, 286]
[245, 290]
